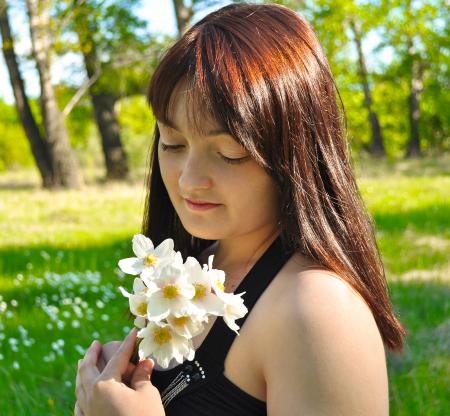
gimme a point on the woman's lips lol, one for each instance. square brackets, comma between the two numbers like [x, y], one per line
[200, 205]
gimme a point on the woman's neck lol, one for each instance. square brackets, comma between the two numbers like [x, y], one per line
[235, 256]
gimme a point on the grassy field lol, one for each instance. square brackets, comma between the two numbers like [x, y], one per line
[58, 281]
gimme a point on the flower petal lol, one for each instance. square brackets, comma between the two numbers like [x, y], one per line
[139, 322]
[131, 265]
[158, 307]
[142, 245]
[165, 248]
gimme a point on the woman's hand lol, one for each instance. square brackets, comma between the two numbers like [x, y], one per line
[106, 354]
[104, 393]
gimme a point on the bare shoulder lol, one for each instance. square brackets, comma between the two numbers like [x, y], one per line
[331, 358]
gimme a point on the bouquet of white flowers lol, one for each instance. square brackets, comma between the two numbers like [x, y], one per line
[172, 300]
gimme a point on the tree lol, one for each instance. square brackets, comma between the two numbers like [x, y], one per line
[339, 23]
[103, 99]
[37, 143]
[66, 172]
[184, 12]
[418, 34]
[118, 55]
[377, 144]
[183, 15]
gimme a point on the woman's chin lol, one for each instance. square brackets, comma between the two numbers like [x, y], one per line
[201, 232]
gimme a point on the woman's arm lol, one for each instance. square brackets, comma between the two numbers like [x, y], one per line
[330, 357]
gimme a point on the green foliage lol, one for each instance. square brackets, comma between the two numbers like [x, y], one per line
[117, 37]
[137, 123]
[392, 23]
[15, 150]
[80, 121]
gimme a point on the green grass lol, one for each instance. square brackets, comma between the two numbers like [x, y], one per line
[58, 281]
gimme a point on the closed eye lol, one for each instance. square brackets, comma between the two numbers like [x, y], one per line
[232, 161]
[235, 160]
[170, 147]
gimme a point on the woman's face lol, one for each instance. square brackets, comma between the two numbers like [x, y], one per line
[214, 169]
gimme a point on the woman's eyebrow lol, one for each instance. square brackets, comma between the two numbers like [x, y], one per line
[172, 125]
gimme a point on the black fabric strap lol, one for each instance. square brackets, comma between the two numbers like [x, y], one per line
[220, 337]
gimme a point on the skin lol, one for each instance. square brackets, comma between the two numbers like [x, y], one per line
[332, 359]
[104, 393]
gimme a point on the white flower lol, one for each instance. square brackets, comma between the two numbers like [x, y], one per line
[147, 255]
[172, 300]
[216, 276]
[234, 309]
[170, 293]
[187, 326]
[206, 301]
[138, 302]
[162, 343]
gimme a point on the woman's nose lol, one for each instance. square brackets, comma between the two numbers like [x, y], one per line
[194, 175]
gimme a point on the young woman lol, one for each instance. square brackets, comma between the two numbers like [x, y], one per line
[250, 163]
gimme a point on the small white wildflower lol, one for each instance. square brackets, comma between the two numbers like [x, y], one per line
[80, 350]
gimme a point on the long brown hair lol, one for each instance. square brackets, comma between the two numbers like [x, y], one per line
[260, 72]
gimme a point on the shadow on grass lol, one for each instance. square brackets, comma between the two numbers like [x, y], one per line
[432, 219]
[42, 258]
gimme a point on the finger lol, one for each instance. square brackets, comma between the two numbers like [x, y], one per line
[77, 411]
[79, 390]
[140, 380]
[118, 363]
[87, 367]
[126, 377]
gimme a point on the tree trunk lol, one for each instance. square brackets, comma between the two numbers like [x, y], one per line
[65, 165]
[377, 145]
[414, 149]
[183, 16]
[105, 115]
[37, 144]
[115, 157]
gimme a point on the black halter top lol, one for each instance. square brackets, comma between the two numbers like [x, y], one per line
[199, 387]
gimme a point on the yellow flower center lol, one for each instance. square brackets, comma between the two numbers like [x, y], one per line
[142, 308]
[200, 291]
[220, 285]
[180, 321]
[170, 292]
[150, 260]
[162, 335]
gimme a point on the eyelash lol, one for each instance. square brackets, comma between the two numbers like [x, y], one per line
[166, 147]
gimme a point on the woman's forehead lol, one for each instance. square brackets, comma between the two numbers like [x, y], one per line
[183, 116]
